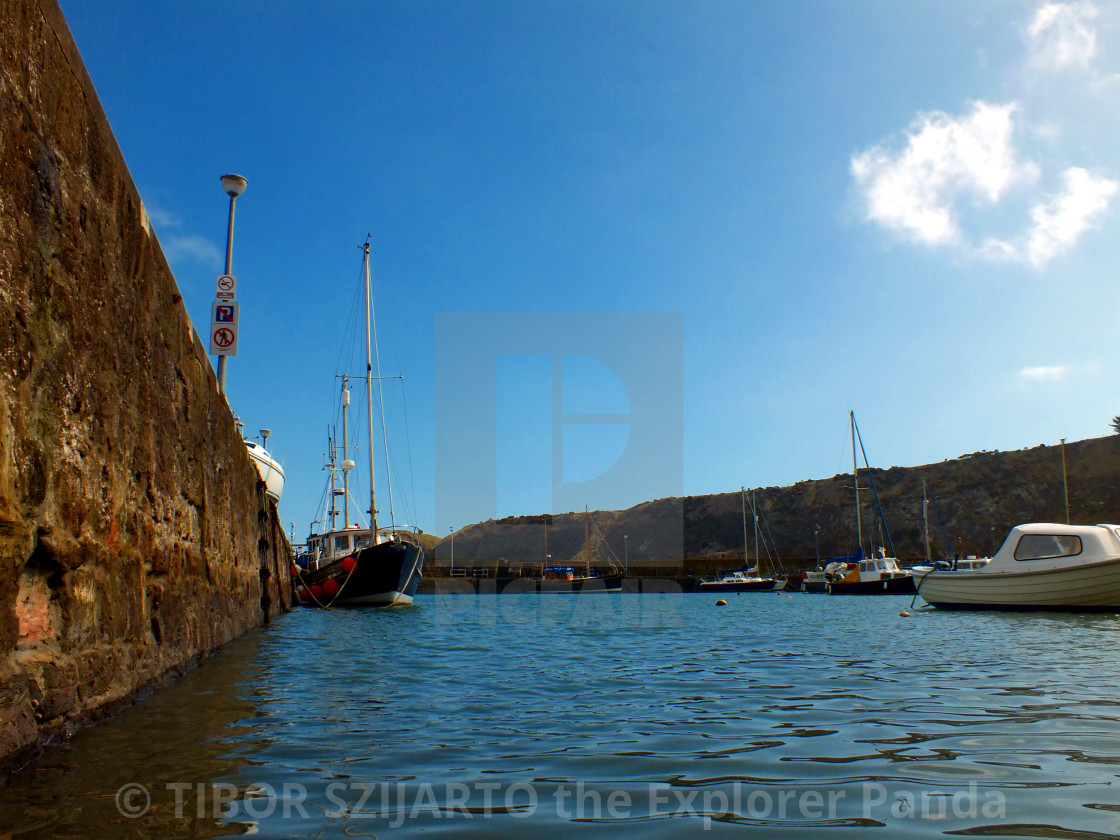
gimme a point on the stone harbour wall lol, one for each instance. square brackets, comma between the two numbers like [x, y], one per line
[135, 535]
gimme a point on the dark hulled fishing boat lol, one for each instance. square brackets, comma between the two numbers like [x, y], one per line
[357, 566]
[385, 574]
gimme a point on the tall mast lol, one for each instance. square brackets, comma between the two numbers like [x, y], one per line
[345, 444]
[754, 513]
[855, 478]
[925, 518]
[331, 456]
[587, 534]
[369, 393]
[746, 553]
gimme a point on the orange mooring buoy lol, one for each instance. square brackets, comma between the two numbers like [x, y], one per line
[721, 603]
[904, 614]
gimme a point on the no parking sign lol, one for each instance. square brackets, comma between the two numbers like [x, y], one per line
[223, 328]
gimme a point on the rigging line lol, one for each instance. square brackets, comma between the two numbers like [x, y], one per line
[777, 560]
[408, 442]
[874, 492]
[410, 512]
[603, 541]
[756, 518]
[381, 402]
[350, 331]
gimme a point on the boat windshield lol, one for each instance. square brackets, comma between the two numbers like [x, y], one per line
[1047, 546]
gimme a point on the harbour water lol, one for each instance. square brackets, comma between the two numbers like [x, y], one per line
[611, 715]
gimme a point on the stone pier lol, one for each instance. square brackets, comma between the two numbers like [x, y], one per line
[135, 535]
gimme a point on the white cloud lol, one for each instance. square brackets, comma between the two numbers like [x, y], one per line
[1059, 222]
[192, 247]
[162, 218]
[914, 192]
[1061, 35]
[1044, 373]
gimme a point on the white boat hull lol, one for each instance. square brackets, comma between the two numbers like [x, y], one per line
[1089, 586]
[381, 599]
[271, 473]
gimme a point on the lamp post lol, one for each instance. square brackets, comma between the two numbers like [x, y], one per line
[625, 553]
[452, 529]
[234, 185]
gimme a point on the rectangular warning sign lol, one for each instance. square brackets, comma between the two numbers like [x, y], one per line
[223, 328]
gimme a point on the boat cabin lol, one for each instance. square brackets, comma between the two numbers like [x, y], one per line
[560, 573]
[875, 568]
[1049, 545]
[323, 548]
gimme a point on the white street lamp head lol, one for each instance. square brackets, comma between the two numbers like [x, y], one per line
[234, 185]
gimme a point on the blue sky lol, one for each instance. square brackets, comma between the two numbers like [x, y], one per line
[908, 210]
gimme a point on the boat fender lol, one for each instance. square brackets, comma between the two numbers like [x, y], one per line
[348, 564]
[316, 591]
[721, 603]
[304, 595]
[293, 571]
[330, 587]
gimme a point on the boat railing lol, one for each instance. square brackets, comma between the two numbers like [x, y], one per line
[400, 533]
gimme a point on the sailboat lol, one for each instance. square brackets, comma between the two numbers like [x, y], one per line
[876, 574]
[352, 565]
[744, 579]
[572, 578]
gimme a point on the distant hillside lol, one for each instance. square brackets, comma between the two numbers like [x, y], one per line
[975, 500]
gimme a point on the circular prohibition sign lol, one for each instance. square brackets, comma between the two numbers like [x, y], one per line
[223, 337]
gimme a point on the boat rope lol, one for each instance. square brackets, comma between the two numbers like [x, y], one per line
[918, 588]
[381, 405]
[874, 492]
[336, 595]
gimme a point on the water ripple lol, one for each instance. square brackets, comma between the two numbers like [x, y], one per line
[466, 716]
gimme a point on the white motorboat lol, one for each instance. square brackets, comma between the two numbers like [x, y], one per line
[272, 474]
[1039, 566]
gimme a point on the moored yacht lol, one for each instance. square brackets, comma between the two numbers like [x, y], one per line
[744, 579]
[739, 581]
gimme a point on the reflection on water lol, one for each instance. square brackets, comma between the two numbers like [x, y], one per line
[620, 715]
[178, 735]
